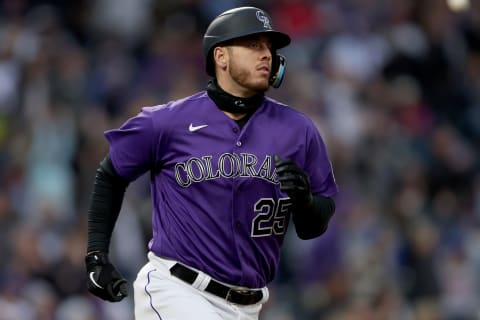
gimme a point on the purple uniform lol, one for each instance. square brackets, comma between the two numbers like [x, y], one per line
[217, 204]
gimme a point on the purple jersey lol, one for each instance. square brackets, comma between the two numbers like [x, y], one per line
[217, 204]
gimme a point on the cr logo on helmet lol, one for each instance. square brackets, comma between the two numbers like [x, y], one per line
[263, 19]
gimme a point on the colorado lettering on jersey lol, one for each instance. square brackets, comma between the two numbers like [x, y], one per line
[228, 165]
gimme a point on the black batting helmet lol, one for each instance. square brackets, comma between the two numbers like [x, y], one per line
[236, 23]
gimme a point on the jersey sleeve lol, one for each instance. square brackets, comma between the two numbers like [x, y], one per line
[131, 145]
[318, 164]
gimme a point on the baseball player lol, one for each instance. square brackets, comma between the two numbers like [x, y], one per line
[229, 169]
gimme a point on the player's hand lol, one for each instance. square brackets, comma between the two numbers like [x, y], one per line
[293, 181]
[103, 280]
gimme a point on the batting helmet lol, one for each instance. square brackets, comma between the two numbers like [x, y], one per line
[240, 22]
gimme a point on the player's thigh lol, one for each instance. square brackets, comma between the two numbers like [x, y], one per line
[158, 296]
[231, 311]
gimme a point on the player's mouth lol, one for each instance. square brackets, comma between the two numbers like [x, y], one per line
[264, 69]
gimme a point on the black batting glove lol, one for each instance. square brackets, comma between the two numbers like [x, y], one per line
[294, 181]
[103, 280]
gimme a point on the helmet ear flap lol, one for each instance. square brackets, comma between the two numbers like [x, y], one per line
[278, 70]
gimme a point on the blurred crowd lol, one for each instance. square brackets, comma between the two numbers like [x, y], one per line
[393, 85]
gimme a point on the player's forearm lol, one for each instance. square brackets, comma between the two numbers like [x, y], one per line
[312, 221]
[106, 201]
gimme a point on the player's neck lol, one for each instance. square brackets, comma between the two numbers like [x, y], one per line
[233, 106]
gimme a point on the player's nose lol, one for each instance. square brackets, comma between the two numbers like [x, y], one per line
[266, 51]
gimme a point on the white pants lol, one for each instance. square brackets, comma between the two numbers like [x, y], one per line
[160, 296]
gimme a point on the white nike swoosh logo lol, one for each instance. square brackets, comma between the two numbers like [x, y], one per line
[193, 128]
[93, 280]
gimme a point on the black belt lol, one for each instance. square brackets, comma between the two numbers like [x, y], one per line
[242, 297]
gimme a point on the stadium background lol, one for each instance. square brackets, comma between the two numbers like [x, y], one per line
[394, 86]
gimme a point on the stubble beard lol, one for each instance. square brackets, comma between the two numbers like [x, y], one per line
[245, 79]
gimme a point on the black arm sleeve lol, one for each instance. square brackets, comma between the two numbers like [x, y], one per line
[311, 222]
[105, 204]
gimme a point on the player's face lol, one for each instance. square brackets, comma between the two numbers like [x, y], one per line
[250, 63]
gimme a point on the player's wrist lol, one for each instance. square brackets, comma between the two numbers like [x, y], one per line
[303, 204]
[308, 200]
[96, 258]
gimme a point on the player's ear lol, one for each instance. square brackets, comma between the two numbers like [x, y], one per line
[220, 56]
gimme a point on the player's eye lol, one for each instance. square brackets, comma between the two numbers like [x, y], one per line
[255, 45]
[259, 45]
